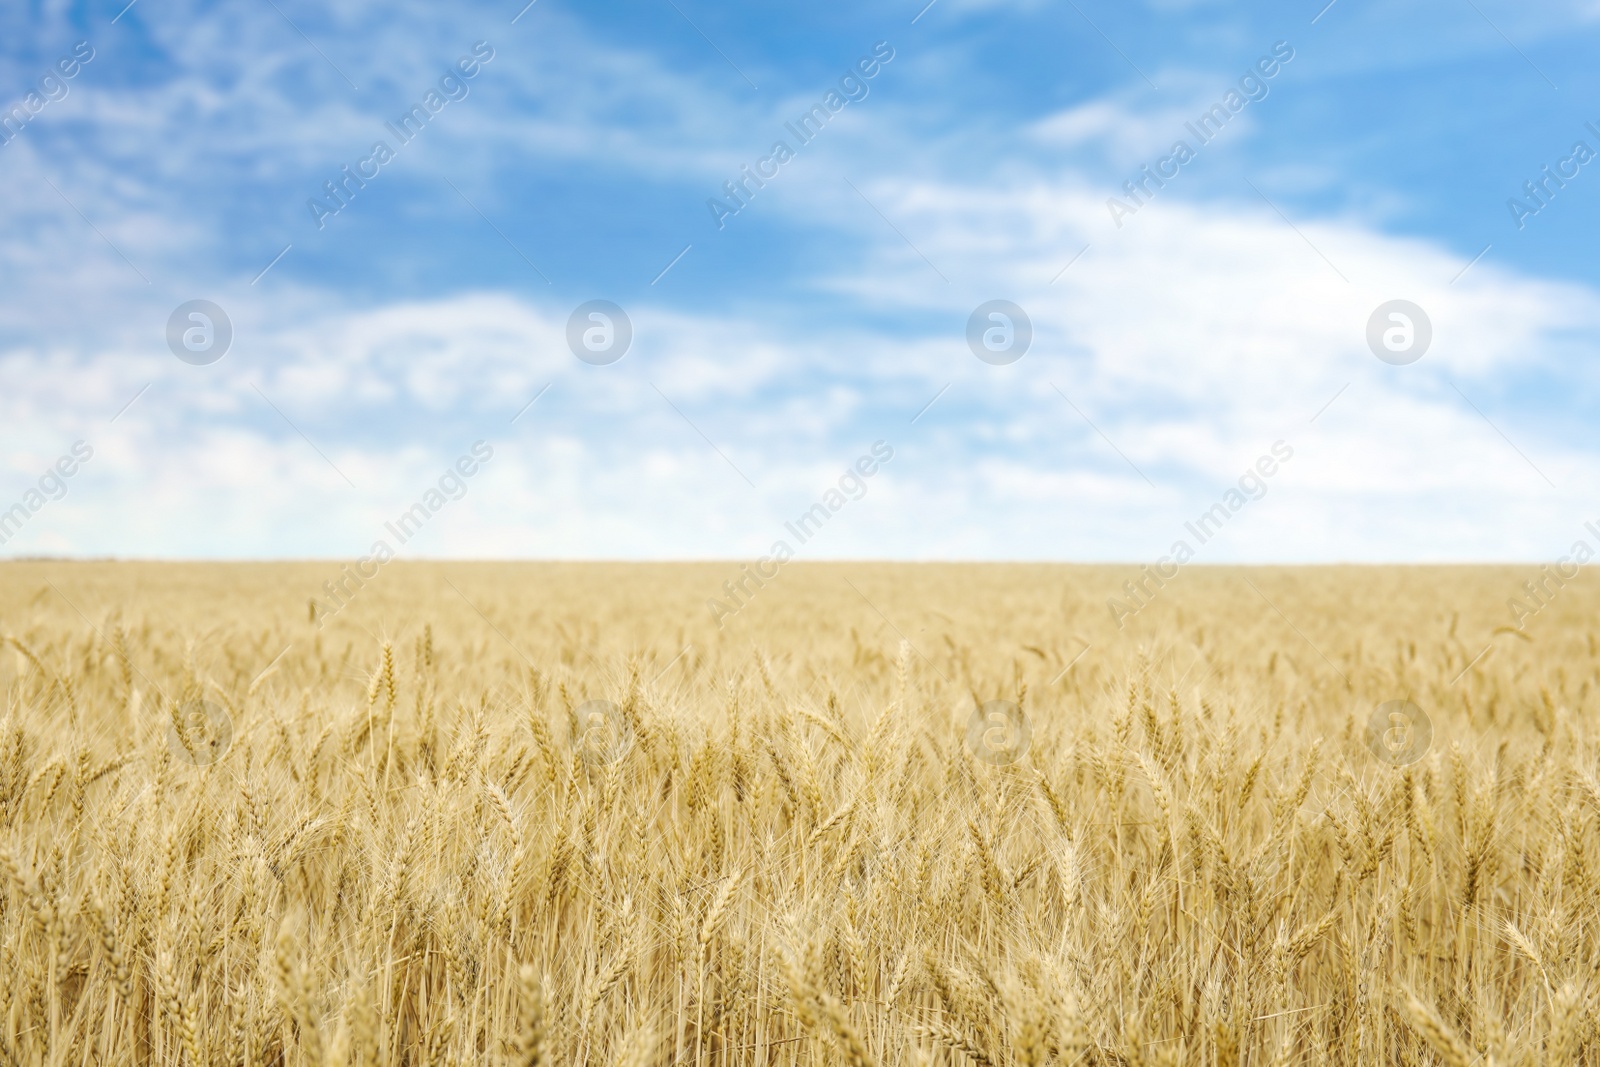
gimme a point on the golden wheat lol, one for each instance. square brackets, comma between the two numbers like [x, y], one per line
[887, 815]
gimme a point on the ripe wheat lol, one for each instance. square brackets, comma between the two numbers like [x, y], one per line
[228, 837]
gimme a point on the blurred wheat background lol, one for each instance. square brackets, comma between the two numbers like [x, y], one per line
[551, 814]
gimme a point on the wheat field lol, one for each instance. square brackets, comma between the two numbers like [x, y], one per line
[885, 814]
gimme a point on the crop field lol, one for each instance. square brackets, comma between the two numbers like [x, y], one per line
[883, 814]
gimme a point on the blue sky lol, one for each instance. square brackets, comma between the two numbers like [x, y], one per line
[1227, 313]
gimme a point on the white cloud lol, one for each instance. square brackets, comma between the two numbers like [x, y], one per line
[1193, 338]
